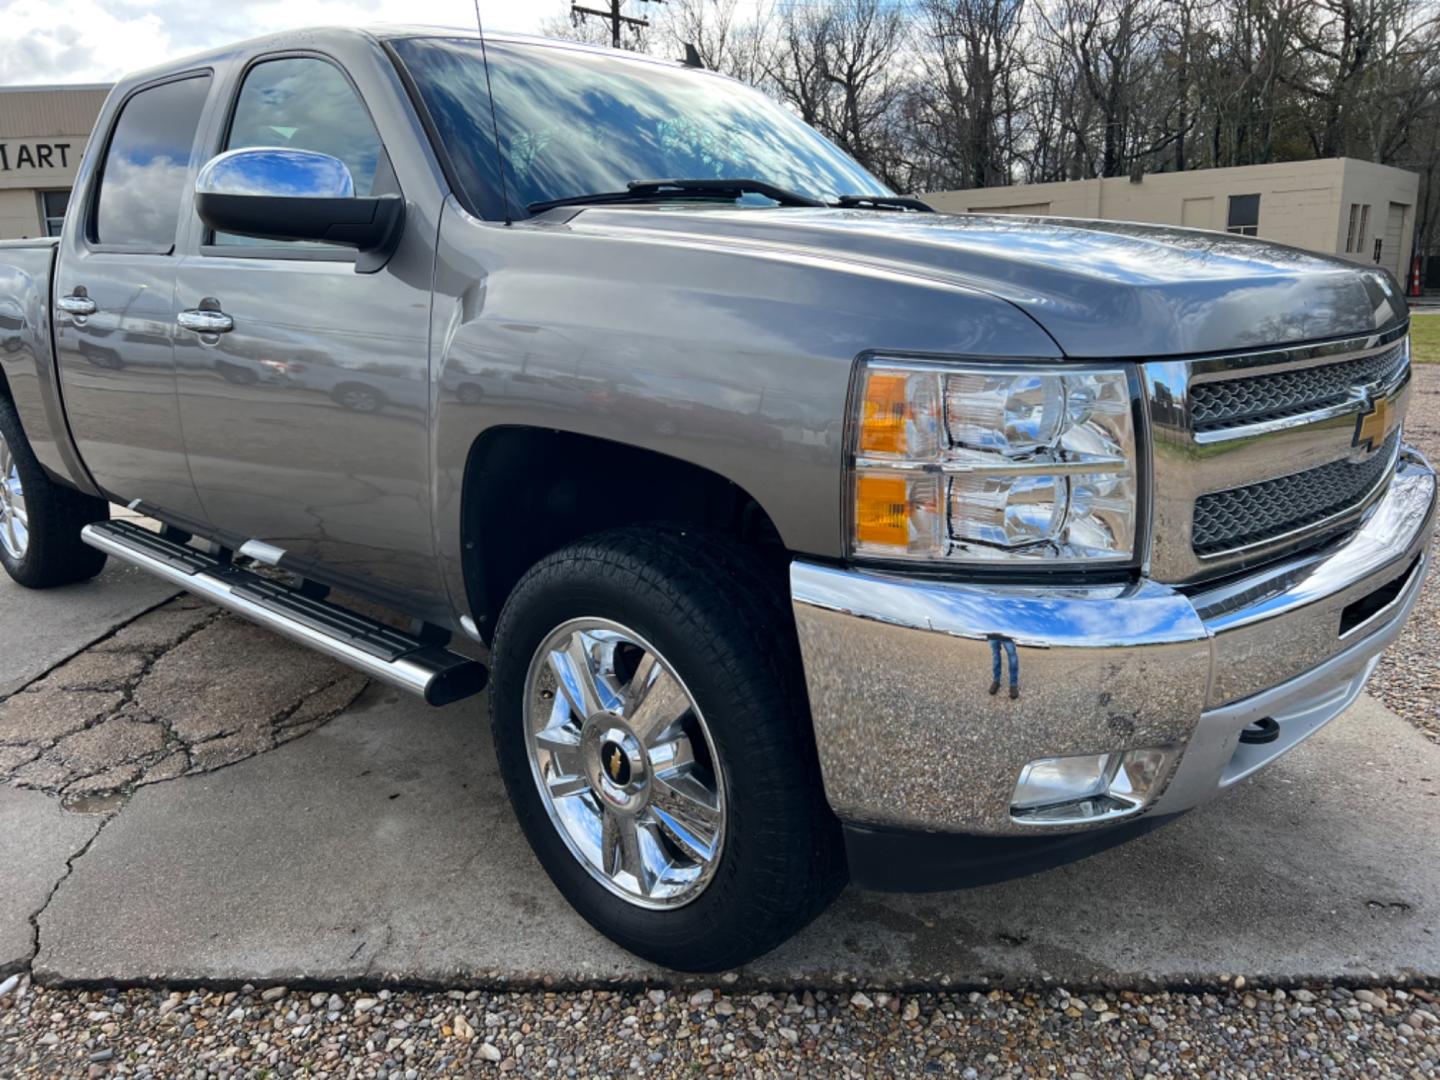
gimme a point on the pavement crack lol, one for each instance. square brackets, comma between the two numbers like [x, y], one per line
[54, 889]
[377, 951]
[131, 727]
[88, 646]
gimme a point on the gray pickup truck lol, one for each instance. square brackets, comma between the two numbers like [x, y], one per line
[814, 536]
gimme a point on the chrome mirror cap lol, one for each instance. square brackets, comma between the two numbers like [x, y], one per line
[276, 172]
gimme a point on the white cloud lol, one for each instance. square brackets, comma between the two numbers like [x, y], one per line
[100, 40]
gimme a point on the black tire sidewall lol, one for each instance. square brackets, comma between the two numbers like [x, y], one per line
[765, 798]
[31, 475]
[54, 553]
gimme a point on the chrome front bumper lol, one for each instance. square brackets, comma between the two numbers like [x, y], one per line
[899, 671]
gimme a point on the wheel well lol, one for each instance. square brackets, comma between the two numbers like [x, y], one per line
[531, 491]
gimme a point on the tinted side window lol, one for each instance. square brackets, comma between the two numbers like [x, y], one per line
[147, 165]
[305, 104]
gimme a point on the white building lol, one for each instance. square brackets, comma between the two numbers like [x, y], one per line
[43, 130]
[1339, 206]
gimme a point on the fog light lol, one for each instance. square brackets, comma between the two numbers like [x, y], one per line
[1088, 787]
[1048, 781]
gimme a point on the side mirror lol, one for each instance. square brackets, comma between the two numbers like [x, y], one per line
[277, 194]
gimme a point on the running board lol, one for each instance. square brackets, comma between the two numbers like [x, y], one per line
[431, 671]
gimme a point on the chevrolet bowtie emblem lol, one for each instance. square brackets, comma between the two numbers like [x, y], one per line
[614, 763]
[1372, 425]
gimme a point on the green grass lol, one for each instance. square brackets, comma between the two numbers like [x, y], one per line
[1425, 339]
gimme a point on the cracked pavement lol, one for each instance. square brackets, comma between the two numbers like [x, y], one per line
[196, 802]
[182, 689]
[151, 687]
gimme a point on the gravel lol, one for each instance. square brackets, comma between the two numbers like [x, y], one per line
[1236, 1030]
[1407, 680]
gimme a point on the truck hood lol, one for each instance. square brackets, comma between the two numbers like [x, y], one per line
[1099, 288]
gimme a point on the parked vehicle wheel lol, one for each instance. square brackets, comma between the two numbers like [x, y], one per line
[357, 397]
[652, 730]
[40, 520]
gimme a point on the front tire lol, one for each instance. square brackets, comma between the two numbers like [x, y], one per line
[653, 734]
[40, 520]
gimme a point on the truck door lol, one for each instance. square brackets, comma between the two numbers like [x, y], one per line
[114, 297]
[307, 419]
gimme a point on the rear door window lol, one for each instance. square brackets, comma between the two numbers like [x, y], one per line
[146, 170]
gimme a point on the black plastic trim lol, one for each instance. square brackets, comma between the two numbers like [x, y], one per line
[168, 551]
[899, 860]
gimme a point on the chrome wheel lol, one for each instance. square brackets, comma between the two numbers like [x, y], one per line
[14, 522]
[624, 763]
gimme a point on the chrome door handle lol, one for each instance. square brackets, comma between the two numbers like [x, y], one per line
[76, 304]
[203, 321]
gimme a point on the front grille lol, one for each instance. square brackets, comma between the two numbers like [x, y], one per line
[1215, 406]
[1257, 513]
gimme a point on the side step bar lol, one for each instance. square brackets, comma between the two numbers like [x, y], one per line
[435, 673]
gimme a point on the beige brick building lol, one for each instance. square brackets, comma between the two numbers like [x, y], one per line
[42, 135]
[1339, 206]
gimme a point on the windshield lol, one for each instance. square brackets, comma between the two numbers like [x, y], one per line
[574, 122]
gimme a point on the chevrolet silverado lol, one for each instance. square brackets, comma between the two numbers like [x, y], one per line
[813, 536]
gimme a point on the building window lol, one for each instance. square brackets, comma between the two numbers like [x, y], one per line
[52, 210]
[1244, 217]
[1379, 245]
[1359, 225]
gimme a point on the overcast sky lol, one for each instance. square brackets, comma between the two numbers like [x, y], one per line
[60, 41]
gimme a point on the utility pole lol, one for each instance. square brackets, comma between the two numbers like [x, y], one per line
[614, 15]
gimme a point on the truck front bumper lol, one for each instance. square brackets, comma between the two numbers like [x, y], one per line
[915, 735]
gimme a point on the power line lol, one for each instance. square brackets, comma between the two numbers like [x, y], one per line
[614, 16]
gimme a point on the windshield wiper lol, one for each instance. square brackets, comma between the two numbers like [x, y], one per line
[639, 191]
[883, 202]
[650, 190]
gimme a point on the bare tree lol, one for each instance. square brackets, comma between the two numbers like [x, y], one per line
[840, 66]
[724, 40]
[966, 95]
[1247, 48]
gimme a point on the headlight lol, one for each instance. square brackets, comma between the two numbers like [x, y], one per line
[993, 463]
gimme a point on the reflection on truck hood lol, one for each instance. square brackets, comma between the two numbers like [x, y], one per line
[1100, 288]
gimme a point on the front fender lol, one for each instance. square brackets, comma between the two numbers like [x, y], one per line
[736, 359]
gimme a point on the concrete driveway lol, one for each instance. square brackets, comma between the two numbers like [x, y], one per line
[377, 846]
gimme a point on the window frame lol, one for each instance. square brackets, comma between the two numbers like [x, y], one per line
[1242, 229]
[90, 218]
[46, 218]
[494, 210]
[282, 249]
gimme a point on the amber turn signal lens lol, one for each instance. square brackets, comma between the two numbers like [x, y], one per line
[882, 419]
[882, 510]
